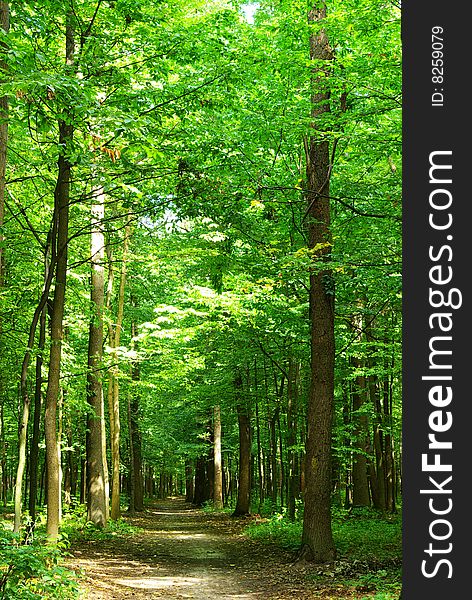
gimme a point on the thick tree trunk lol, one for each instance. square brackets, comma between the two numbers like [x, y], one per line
[317, 538]
[96, 493]
[218, 467]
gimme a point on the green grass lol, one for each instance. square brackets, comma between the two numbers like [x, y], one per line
[368, 547]
[36, 570]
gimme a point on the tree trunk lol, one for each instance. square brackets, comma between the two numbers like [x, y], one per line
[202, 490]
[389, 459]
[113, 386]
[243, 503]
[96, 495]
[218, 470]
[260, 456]
[61, 203]
[317, 538]
[293, 479]
[360, 482]
[135, 438]
[34, 450]
[189, 488]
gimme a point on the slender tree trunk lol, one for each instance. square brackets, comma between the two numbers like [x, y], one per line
[113, 386]
[61, 203]
[360, 482]
[189, 488]
[281, 465]
[96, 494]
[389, 455]
[135, 437]
[218, 470]
[24, 390]
[3, 451]
[34, 451]
[132, 478]
[293, 483]
[243, 503]
[260, 457]
[317, 538]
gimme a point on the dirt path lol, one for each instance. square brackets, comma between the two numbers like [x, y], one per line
[185, 553]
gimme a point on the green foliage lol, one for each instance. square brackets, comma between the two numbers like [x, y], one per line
[76, 527]
[368, 549]
[35, 570]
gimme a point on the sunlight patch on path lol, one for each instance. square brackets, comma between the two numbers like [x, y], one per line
[156, 583]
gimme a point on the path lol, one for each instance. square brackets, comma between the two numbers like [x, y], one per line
[185, 553]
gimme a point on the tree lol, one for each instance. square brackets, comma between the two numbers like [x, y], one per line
[61, 213]
[243, 504]
[317, 541]
[218, 471]
[97, 500]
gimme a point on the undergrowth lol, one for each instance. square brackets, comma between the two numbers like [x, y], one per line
[368, 550]
[35, 569]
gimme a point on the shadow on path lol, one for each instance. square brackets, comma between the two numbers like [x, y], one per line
[183, 552]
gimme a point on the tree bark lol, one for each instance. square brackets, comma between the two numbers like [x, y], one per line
[136, 473]
[113, 386]
[317, 538]
[96, 494]
[34, 450]
[243, 503]
[189, 488]
[360, 481]
[218, 467]
[293, 478]
[202, 488]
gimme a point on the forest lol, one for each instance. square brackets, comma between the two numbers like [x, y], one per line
[200, 297]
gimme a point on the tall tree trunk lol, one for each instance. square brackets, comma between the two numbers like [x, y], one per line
[202, 488]
[136, 474]
[34, 450]
[317, 538]
[389, 458]
[5, 25]
[61, 204]
[3, 458]
[378, 469]
[189, 488]
[113, 386]
[293, 480]
[360, 482]
[96, 494]
[243, 503]
[260, 456]
[218, 467]
[39, 313]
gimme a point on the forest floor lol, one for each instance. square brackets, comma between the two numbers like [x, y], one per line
[181, 552]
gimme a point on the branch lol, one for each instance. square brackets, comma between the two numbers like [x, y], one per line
[188, 93]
